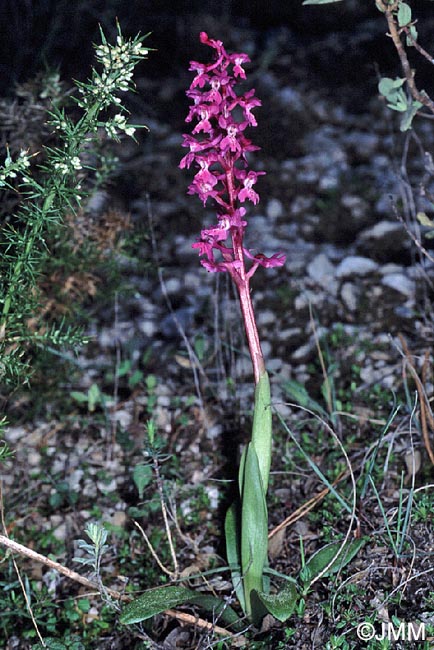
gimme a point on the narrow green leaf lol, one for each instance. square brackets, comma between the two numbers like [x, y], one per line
[254, 534]
[330, 554]
[233, 551]
[241, 470]
[299, 394]
[261, 431]
[156, 601]
[282, 604]
[424, 220]
[79, 396]
[404, 14]
[142, 476]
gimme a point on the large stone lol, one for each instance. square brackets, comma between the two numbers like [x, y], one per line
[385, 241]
[322, 271]
[354, 265]
[400, 282]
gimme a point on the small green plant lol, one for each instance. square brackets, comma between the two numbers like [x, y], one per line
[402, 94]
[96, 549]
[92, 398]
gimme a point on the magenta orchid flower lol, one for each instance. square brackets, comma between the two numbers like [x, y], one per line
[218, 148]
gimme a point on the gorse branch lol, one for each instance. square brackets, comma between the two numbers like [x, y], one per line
[50, 190]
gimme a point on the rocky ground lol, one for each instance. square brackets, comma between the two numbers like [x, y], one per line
[340, 196]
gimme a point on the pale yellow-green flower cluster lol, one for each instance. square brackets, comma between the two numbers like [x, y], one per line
[11, 168]
[117, 124]
[66, 167]
[118, 62]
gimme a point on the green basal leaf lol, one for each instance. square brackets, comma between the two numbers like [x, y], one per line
[331, 554]
[142, 476]
[156, 601]
[261, 431]
[319, 2]
[254, 534]
[282, 604]
[299, 394]
[404, 14]
[233, 551]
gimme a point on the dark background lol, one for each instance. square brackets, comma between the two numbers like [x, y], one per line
[59, 33]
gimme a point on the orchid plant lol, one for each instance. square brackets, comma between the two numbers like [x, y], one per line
[218, 149]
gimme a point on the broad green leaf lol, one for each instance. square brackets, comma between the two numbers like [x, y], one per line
[142, 476]
[51, 644]
[282, 604]
[54, 644]
[261, 431]
[330, 554]
[233, 552]
[387, 85]
[299, 394]
[404, 14]
[135, 378]
[156, 601]
[93, 397]
[319, 2]
[254, 534]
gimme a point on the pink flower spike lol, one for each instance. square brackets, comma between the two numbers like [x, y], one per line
[218, 149]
